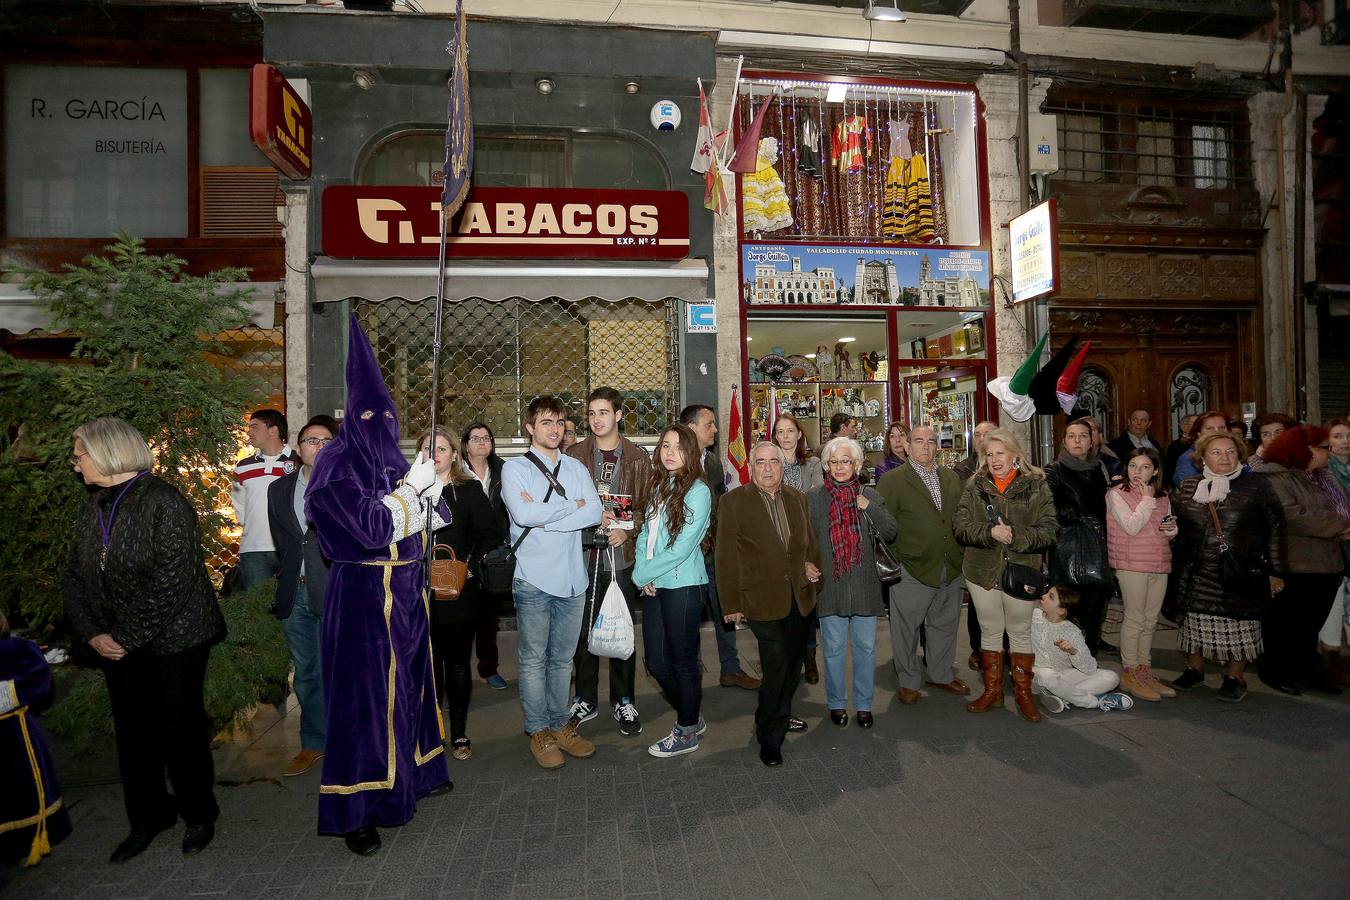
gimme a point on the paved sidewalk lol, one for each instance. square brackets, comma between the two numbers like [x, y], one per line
[1187, 798]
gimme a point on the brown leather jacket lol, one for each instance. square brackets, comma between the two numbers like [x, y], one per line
[1311, 542]
[635, 471]
[756, 574]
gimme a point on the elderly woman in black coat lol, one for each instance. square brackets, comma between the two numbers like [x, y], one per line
[1222, 608]
[137, 593]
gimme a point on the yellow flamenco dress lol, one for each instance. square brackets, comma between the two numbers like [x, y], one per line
[764, 199]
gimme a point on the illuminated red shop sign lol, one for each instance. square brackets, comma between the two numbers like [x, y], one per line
[403, 222]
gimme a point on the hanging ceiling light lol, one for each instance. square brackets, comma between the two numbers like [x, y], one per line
[883, 11]
[544, 85]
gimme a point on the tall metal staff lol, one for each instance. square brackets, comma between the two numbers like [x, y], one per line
[457, 171]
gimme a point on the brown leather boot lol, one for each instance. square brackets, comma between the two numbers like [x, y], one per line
[1021, 676]
[991, 663]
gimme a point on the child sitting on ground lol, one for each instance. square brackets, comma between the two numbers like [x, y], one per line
[1065, 672]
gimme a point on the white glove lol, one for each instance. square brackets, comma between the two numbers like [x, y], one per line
[433, 492]
[422, 475]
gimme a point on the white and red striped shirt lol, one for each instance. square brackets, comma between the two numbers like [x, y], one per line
[248, 493]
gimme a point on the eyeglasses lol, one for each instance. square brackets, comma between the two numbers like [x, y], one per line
[75, 460]
[480, 439]
[1322, 447]
[317, 442]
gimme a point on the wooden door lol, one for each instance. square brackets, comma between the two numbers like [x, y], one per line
[1169, 362]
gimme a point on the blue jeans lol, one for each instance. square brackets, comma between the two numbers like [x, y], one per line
[302, 629]
[834, 634]
[256, 567]
[670, 640]
[547, 631]
[727, 659]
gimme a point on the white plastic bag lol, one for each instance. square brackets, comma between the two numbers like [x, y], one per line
[612, 634]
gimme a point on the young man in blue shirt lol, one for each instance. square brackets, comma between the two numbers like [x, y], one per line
[551, 499]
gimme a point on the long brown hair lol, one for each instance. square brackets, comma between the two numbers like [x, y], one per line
[799, 456]
[667, 489]
[457, 473]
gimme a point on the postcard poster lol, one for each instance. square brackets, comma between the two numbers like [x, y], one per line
[621, 505]
[865, 275]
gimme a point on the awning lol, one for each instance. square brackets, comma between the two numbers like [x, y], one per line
[21, 312]
[340, 279]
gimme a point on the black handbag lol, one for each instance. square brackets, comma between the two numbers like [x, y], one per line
[497, 567]
[1079, 558]
[888, 567]
[1241, 576]
[1017, 580]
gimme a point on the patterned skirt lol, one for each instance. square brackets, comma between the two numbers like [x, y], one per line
[1220, 639]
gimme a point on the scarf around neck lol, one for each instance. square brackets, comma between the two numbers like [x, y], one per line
[844, 532]
[1069, 461]
[1341, 470]
[1002, 483]
[1213, 487]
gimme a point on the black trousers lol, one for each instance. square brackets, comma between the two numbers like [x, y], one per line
[622, 672]
[162, 727]
[1092, 613]
[485, 633]
[450, 649]
[1290, 626]
[782, 646]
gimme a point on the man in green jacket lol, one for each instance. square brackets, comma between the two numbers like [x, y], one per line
[923, 497]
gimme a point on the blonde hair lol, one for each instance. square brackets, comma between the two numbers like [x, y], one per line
[849, 445]
[457, 473]
[1203, 441]
[1006, 438]
[114, 446]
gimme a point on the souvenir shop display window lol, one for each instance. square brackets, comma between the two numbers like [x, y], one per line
[948, 400]
[813, 368]
[940, 334]
[860, 162]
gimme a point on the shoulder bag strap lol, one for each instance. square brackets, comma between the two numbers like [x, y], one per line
[1218, 529]
[552, 484]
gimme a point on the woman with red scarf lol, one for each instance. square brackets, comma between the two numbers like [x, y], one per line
[843, 515]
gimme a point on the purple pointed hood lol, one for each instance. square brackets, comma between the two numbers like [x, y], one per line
[365, 453]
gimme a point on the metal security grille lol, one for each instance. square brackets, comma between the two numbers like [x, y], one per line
[1153, 144]
[497, 356]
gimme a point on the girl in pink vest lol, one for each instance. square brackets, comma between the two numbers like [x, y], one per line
[1139, 529]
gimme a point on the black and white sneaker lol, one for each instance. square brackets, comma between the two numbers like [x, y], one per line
[626, 714]
[1188, 679]
[582, 711]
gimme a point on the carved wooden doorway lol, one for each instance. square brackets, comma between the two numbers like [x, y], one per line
[1170, 362]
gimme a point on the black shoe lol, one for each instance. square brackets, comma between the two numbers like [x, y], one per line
[1285, 687]
[1321, 681]
[197, 837]
[863, 718]
[1232, 690]
[770, 756]
[136, 843]
[796, 724]
[1188, 679]
[363, 841]
[839, 717]
[441, 790]
[1107, 647]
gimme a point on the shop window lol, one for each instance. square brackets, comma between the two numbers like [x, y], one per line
[93, 150]
[940, 335]
[1096, 396]
[496, 356]
[814, 368]
[946, 400]
[886, 162]
[541, 158]
[1191, 394]
[1200, 145]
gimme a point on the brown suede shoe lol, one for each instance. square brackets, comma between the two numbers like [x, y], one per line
[740, 680]
[544, 746]
[302, 762]
[955, 686]
[572, 743]
[907, 696]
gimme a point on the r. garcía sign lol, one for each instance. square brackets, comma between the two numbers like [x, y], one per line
[280, 122]
[404, 222]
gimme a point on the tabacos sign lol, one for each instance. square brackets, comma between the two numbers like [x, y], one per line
[280, 122]
[404, 222]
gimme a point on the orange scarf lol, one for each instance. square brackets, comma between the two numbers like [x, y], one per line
[1002, 483]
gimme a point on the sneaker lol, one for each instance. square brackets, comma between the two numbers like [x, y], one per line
[626, 714]
[674, 744]
[1232, 690]
[1133, 683]
[1145, 675]
[582, 711]
[702, 727]
[1053, 704]
[572, 743]
[496, 682]
[1188, 679]
[1115, 700]
[544, 746]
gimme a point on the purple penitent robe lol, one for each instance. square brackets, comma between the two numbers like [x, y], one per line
[384, 749]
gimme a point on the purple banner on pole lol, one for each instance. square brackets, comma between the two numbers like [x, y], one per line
[458, 170]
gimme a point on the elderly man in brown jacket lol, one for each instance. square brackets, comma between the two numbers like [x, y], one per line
[767, 569]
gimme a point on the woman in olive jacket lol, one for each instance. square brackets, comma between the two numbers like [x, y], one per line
[1007, 514]
[1219, 622]
[137, 593]
[1309, 560]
